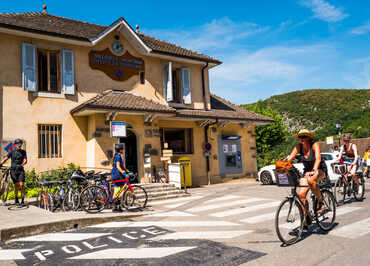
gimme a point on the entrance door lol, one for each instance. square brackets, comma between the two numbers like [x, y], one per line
[131, 155]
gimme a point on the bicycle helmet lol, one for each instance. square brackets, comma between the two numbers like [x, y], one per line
[18, 141]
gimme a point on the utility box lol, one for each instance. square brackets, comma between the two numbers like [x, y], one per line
[185, 164]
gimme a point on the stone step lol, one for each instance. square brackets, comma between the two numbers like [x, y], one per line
[173, 196]
[162, 193]
[150, 190]
[157, 185]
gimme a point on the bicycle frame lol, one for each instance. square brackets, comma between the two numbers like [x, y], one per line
[108, 190]
[293, 196]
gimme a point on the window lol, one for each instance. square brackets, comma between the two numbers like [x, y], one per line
[179, 140]
[176, 84]
[48, 70]
[50, 141]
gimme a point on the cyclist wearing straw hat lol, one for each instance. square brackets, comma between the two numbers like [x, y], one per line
[314, 170]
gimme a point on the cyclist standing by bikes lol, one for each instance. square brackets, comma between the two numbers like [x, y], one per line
[18, 160]
[118, 172]
[314, 169]
[348, 153]
[365, 161]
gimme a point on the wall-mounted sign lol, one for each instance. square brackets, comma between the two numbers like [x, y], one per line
[119, 68]
[117, 129]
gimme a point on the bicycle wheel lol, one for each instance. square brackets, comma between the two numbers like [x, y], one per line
[5, 188]
[137, 200]
[340, 190]
[289, 221]
[326, 220]
[41, 200]
[71, 201]
[50, 203]
[2, 184]
[359, 191]
[93, 199]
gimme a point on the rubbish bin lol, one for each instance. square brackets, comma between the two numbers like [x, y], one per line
[185, 163]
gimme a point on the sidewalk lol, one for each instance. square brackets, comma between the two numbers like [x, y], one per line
[33, 220]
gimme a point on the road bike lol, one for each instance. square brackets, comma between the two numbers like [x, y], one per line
[44, 198]
[343, 188]
[290, 218]
[96, 198]
[4, 183]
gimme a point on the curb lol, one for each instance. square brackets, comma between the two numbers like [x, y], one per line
[23, 231]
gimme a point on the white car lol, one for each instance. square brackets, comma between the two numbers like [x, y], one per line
[267, 177]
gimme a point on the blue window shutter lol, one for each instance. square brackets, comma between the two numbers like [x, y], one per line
[185, 84]
[167, 82]
[28, 67]
[68, 79]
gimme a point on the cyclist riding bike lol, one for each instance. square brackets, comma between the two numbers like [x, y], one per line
[348, 153]
[18, 160]
[118, 172]
[366, 161]
[314, 169]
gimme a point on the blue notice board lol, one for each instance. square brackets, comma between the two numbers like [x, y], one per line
[117, 129]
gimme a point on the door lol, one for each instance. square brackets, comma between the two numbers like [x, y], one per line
[131, 155]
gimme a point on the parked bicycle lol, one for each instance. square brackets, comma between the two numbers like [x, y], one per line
[290, 218]
[4, 183]
[96, 198]
[76, 183]
[343, 188]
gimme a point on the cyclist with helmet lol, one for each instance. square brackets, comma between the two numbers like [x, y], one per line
[118, 172]
[18, 158]
[348, 153]
[366, 161]
[314, 168]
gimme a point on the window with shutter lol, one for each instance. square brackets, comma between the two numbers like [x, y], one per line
[185, 84]
[29, 67]
[68, 84]
[48, 68]
[167, 82]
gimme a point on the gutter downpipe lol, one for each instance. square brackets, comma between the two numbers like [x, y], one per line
[207, 126]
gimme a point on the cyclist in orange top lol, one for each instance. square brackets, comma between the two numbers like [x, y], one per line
[314, 170]
[366, 161]
[349, 154]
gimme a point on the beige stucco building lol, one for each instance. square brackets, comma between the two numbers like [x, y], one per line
[62, 83]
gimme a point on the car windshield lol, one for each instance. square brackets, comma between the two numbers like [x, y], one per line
[326, 157]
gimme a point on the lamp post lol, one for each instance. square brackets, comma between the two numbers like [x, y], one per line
[338, 126]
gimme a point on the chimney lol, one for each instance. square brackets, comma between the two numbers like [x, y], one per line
[44, 7]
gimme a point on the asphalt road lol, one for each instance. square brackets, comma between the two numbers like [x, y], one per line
[229, 224]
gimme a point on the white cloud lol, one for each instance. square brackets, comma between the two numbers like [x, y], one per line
[324, 11]
[365, 28]
[217, 34]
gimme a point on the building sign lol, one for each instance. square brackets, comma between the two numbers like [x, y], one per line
[117, 129]
[330, 140]
[119, 68]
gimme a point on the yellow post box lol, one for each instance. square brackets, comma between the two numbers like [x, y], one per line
[185, 163]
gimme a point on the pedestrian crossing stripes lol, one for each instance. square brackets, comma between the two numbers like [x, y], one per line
[246, 209]
[353, 230]
[133, 253]
[224, 198]
[61, 237]
[223, 205]
[203, 235]
[12, 254]
[166, 224]
[180, 201]
[171, 214]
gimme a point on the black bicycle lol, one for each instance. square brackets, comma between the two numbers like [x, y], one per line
[4, 183]
[343, 188]
[290, 218]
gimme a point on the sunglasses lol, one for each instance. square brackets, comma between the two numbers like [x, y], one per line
[302, 137]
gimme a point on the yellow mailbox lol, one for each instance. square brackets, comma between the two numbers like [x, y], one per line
[185, 163]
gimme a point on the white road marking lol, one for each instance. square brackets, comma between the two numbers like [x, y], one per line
[202, 235]
[58, 237]
[164, 202]
[245, 210]
[133, 253]
[223, 205]
[353, 230]
[270, 216]
[12, 254]
[171, 214]
[230, 197]
[166, 224]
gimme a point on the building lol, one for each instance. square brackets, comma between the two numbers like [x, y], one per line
[63, 81]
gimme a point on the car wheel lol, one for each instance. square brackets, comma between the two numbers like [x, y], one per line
[266, 178]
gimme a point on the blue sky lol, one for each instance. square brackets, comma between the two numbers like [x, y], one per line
[267, 47]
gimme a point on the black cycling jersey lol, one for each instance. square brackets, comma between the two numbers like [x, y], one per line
[17, 157]
[309, 162]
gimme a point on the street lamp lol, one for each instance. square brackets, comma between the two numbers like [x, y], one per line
[338, 126]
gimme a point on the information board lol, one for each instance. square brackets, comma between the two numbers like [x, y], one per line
[117, 129]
